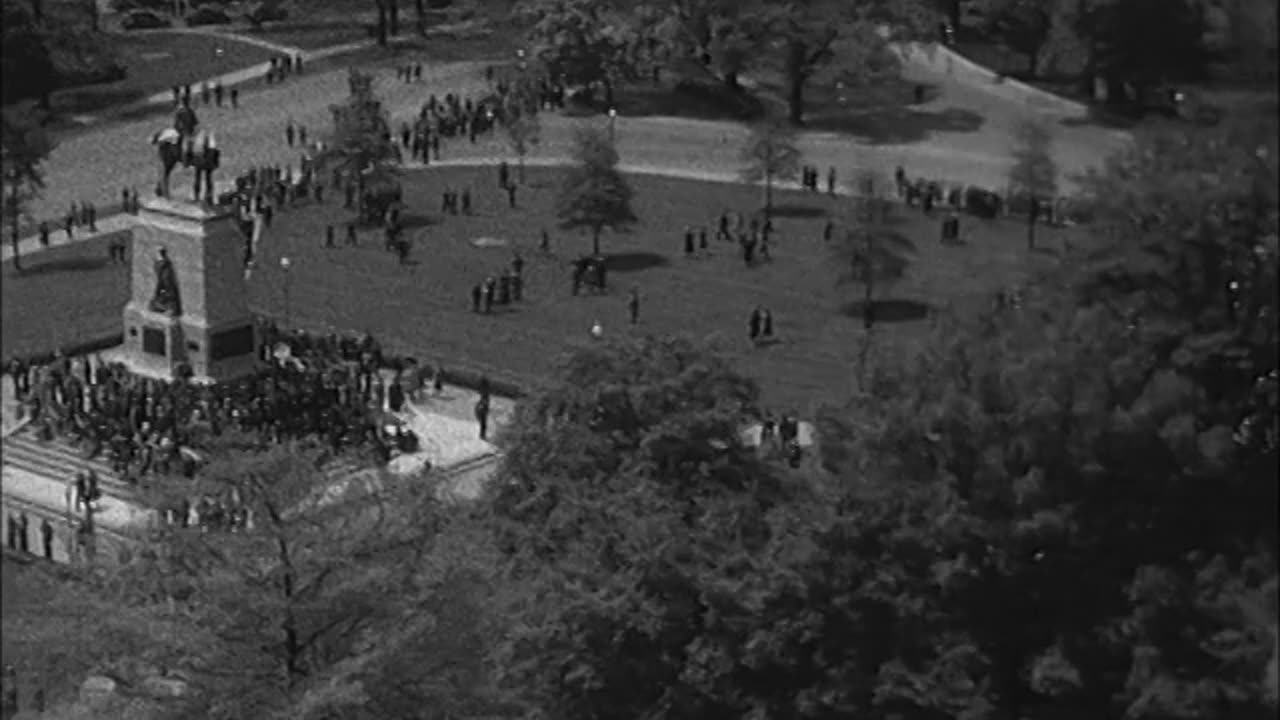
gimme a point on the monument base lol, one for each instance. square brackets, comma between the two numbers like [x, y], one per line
[160, 345]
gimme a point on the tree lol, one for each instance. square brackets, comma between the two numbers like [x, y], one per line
[1022, 25]
[1034, 172]
[586, 41]
[717, 35]
[1138, 44]
[872, 252]
[292, 596]
[24, 145]
[807, 36]
[1078, 477]
[361, 143]
[520, 117]
[523, 132]
[383, 13]
[646, 542]
[770, 153]
[594, 193]
[24, 47]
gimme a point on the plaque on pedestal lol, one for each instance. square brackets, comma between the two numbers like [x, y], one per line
[188, 304]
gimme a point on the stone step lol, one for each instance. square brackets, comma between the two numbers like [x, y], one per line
[60, 461]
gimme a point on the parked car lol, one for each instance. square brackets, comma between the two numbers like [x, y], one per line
[144, 20]
[208, 16]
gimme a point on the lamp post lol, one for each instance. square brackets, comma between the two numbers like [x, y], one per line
[613, 117]
[285, 265]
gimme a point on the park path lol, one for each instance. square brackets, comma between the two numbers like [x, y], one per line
[96, 164]
[235, 77]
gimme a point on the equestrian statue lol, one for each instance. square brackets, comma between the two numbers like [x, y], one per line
[183, 143]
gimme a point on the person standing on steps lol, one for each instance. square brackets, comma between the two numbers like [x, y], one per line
[46, 539]
[24, 539]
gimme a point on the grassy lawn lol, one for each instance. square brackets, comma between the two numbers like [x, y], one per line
[424, 309]
[27, 624]
[157, 61]
[310, 35]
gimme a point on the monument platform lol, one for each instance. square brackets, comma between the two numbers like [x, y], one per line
[188, 309]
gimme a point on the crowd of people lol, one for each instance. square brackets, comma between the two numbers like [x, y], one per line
[323, 388]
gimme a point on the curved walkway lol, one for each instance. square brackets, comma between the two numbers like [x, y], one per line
[235, 77]
[253, 135]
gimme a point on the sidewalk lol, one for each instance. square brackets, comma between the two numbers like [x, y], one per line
[253, 72]
[112, 513]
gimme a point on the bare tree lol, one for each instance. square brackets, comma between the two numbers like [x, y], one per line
[1034, 172]
[770, 154]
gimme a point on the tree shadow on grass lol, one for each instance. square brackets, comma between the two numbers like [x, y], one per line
[900, 125]
[413, 221]
[67, 265]
[634, 261]
[698, 99]
[799, 211]
[888, 311]
[90, 99]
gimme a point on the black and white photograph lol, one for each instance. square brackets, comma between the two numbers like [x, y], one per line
[647, 360]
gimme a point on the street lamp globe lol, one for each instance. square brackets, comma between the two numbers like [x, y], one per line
[613, 113]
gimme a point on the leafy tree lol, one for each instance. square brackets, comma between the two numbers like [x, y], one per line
[1034, 172]
[1143, 43]
[770, 154]
[24, 145]
[586, 41]
[594, 194]
[28, 66]
[1022, 25]
[719, 35]
[872, 252]
[1082, 480]
[646, 541]
[361, 143]
[808, 36]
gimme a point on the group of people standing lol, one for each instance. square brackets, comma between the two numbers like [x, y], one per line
[505, 288]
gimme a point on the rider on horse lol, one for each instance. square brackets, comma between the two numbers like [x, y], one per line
[179, 144]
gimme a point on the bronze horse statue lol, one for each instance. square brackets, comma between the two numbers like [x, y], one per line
[182, 143]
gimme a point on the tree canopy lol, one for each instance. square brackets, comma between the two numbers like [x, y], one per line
[594, 194]
[361, 141]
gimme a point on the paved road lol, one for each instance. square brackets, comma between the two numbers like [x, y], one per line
[96, 164]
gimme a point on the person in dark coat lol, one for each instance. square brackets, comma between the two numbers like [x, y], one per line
[633, 304]
[24, 538]
[46, 538]
[753, 324]
[482, 416]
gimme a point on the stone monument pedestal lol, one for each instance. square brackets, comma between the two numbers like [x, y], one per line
[213, 334]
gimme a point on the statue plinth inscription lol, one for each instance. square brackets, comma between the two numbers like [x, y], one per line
[188, 302]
